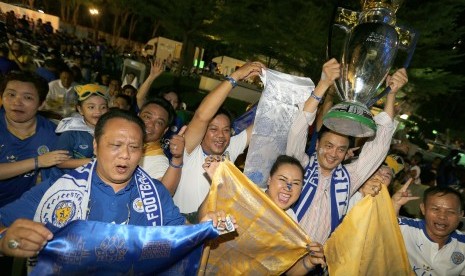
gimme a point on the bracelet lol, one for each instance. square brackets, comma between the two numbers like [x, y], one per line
[305, 265]
[176, 166]
[232, 81]
[315, 97]
[36, 163]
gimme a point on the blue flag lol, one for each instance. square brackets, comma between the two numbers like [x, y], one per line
[98, 248]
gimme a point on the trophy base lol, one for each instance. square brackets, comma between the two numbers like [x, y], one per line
[350, 118]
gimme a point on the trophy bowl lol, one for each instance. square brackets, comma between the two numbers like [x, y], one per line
[368, 53]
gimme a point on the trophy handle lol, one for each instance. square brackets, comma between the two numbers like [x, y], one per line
[408, 39]
[345, 20]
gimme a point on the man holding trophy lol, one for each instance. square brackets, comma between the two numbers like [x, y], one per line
[328, 185]
[368, 54]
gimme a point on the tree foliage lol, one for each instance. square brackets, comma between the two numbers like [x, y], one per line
[291, 36]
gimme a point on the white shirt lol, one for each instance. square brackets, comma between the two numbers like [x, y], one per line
[60, 99]
[156, 166]
[425, 256]
[317, 220]
[195, 184]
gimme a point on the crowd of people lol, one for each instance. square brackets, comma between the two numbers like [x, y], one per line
[62, 132]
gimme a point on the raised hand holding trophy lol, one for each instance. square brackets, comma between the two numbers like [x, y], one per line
[370, 47]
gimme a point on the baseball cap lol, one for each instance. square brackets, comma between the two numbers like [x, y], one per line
[87, 90]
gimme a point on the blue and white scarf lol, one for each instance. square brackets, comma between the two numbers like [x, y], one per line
[68, 198]
[340, 188]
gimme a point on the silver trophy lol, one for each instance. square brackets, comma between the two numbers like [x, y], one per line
[371, 41]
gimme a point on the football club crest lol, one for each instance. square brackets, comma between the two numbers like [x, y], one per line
[457, 257]
[137, 205]
[42, 150]
[63, 213]
[62, 207]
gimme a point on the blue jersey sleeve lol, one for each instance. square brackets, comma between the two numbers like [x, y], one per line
[25, 206]
[65, 142]
[171, 213]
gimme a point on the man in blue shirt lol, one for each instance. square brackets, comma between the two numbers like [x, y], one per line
[110, 189]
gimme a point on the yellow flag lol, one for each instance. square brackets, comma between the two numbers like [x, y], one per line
[267, 242]
[368, 241]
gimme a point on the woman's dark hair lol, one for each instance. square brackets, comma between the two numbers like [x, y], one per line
[286, 159]
[39, 83]
[117, 113]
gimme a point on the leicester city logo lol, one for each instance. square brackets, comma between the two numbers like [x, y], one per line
[63, 213]
[137, 205]
[457, 258]
[42, 149]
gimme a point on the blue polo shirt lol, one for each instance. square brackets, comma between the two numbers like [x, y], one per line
[13, 149]
[79, 144]
[105, 205]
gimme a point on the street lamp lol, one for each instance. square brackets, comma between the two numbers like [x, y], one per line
[93, 12]
[94, 17]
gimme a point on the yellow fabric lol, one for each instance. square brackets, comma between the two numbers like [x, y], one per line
[368, 241]
[393, 163]
[267, 242]
[153, 149]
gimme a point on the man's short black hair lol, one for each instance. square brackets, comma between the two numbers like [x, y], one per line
[127, 98]
[117, 113]
[39, 83]
[165, 105]
[442, 191]
[325, 130]
[225, 112]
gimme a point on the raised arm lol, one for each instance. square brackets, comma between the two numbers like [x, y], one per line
[331, 72]
[374, 151]
[156, 68]
[395, 82]
[172, 175]
[213, 101]
[297, 136]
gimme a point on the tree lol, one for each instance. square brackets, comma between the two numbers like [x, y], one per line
[186, 19]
